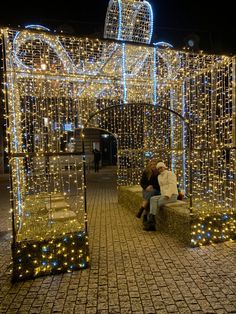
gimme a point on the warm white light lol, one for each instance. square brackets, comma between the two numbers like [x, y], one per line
[43, 66]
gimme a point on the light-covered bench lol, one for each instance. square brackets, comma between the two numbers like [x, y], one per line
[173, 218]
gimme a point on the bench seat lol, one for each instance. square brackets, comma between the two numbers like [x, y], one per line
[173, 218]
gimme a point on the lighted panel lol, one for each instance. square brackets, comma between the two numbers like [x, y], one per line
[53, 83]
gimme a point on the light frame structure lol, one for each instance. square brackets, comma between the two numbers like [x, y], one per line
[54, 81]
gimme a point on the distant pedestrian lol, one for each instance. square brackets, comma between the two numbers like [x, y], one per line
[97, 158]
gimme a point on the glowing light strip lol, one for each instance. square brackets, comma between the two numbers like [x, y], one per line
[151, 22]
[120, 20]
[15, 142]
[154, 76]
[16, 146]
[38, 27]
[20, 212]
[124, 73]
[164, 44]
[183, 137]
[172, 128]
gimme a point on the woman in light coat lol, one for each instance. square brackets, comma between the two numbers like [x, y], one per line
[169, 193]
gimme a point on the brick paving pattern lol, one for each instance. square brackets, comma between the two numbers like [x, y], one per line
[132, 271]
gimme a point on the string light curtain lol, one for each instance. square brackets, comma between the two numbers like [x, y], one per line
[53, 83]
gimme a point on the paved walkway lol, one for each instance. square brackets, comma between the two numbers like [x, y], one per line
[132, 271]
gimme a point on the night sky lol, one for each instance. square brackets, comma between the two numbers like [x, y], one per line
[211, 24]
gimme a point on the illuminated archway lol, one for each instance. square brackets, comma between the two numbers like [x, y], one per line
[112, 130]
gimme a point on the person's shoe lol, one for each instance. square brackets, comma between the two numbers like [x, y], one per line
[150, 224]
[144, 218]
[139, 214]
[149, 227]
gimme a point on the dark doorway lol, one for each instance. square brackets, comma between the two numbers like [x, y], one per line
[108, 149]
[103, 141]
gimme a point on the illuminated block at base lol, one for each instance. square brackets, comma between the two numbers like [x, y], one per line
[62, 254]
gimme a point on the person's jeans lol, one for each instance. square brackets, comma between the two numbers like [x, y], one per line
[159, 200]
[148, 194]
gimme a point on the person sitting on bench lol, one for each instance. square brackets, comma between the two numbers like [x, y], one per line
[150, 186]
[169, 193]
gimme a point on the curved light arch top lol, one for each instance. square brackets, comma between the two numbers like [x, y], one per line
[163, 44]
[37, 27]
[129, 20]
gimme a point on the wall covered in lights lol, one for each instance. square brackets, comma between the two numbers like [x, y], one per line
[53, 83]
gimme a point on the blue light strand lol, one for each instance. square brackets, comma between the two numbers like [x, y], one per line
[37, 27]
[154, 76]
[120, 20]
[151, 18]
[163, 44]
[124, 73]
[172, 128]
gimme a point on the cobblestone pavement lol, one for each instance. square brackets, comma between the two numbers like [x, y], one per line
[132, 271]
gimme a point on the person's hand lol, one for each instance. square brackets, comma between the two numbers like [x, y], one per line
[149, 188]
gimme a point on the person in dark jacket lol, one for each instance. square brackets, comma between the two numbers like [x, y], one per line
[150, 186]
[97, 158]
